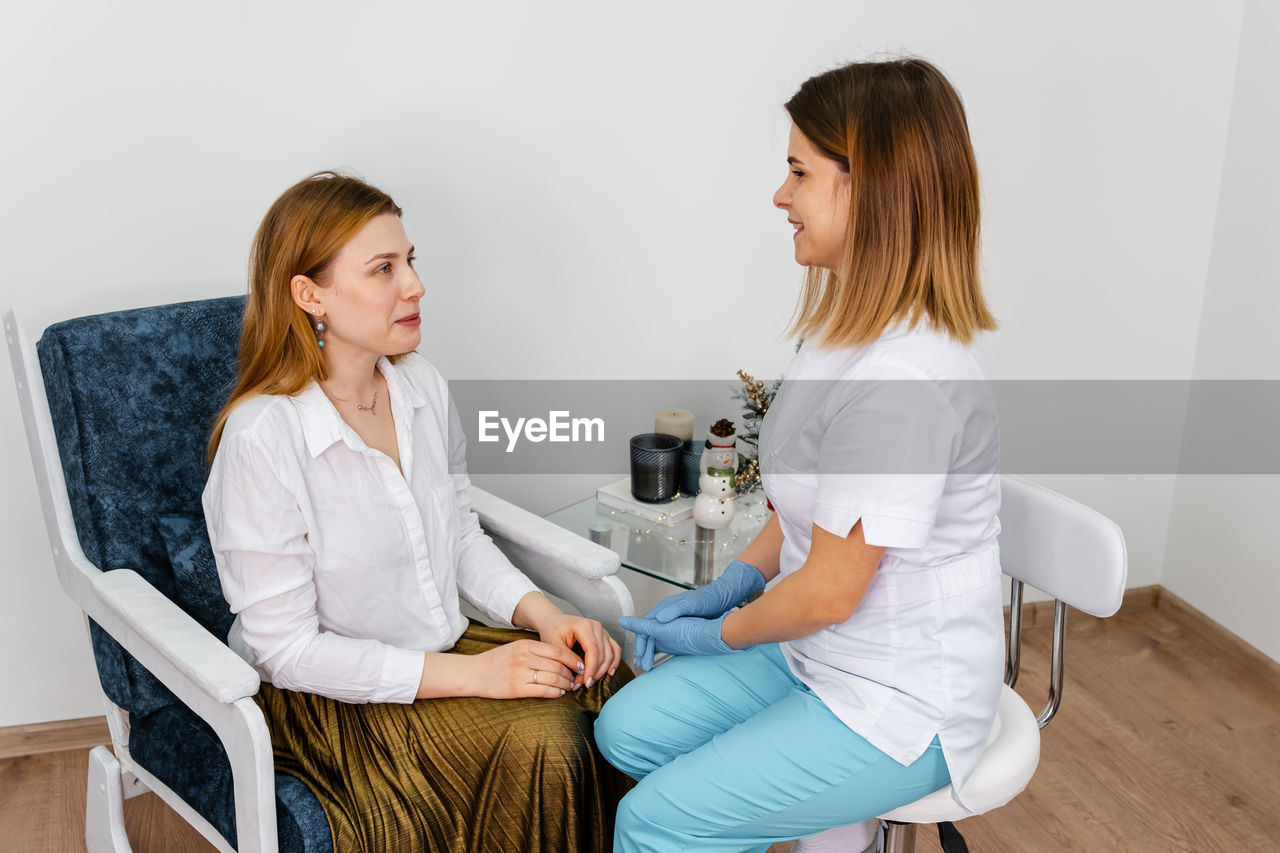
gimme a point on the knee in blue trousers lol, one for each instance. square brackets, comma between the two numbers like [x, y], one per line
[733, 752]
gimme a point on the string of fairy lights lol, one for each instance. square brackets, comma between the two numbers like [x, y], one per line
[751, 515]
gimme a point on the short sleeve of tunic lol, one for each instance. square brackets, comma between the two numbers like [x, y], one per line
[891, 435]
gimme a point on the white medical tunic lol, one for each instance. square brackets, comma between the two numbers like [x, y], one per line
[902, 436]
[343, 572]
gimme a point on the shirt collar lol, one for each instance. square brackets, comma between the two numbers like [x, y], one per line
[898, 328]
[323, 427]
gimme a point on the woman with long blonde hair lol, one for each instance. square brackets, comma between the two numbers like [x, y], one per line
[868, 675]
[344, 539]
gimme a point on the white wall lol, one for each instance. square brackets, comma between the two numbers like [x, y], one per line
[1221, 557]
[583, 179]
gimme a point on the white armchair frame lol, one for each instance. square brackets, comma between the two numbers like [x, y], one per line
[204, 673]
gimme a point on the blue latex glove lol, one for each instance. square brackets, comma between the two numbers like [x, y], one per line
[687, 635]
[715, 599]
[644, 648]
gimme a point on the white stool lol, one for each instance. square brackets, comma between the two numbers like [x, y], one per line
[1073, 553]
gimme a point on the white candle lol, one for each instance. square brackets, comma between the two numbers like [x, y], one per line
[675, 422]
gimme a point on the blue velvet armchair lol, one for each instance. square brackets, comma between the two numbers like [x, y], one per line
[118, 408]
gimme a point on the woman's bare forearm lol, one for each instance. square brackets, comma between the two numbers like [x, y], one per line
[825, 591]
[765, 550]
[533, 610]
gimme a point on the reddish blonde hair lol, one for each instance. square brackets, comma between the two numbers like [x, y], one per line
[911, 244]
[300, 235]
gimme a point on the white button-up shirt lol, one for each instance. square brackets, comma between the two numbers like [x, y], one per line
[901, 435]
[341, 570]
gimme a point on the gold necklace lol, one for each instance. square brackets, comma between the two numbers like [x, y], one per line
[372, 408]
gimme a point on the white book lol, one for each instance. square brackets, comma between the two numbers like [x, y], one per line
[618, 495]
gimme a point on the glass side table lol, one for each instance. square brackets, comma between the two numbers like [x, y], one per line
[682, 555]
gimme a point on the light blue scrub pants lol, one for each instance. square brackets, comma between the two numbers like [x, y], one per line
[733, 752]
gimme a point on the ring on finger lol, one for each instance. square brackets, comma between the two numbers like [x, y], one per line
[533, 679]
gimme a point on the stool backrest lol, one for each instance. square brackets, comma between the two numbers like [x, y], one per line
[1061, 547]
[1064, 548]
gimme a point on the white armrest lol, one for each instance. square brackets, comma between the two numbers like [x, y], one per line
[208, 678]
[559, 562]
[167, 641]
[536, 540]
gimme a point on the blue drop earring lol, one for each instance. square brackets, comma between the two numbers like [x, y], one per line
[319, 328]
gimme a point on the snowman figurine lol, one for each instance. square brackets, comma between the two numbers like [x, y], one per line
[713, 508]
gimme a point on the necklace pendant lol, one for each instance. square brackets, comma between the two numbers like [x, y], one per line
[372, 408]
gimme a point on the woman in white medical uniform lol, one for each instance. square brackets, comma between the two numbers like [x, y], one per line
[868, 675]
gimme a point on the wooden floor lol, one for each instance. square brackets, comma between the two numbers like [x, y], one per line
[1168, 740]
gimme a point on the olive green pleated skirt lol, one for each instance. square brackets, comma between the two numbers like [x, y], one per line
[460, 775]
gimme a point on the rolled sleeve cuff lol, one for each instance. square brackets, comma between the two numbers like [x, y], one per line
[502, 604]
[401, 674]
[883, 528]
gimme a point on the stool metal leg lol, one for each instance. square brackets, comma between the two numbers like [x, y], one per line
[900, 837]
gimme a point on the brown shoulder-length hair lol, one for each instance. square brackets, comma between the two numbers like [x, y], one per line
[898, 129]
[300, 235]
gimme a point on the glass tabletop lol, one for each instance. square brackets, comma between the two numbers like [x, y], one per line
[682, 555]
